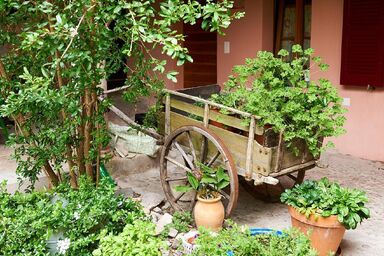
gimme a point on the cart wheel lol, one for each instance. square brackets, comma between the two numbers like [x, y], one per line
[183, 149]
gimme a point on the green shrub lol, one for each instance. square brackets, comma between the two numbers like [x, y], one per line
[327, 198]
[279, 91]
[241, 243]
[28, 220]
[137, 239]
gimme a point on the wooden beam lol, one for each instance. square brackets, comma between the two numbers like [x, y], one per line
[133, 124]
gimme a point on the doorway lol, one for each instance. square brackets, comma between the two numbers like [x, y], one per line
[202, 46]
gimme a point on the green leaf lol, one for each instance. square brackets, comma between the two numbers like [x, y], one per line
[193, 181]
[183, 189]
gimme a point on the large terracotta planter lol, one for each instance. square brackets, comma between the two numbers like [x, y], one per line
[325, 233]
[209, 213]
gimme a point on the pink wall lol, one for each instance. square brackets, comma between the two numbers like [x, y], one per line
[246, 36]
[365, 117]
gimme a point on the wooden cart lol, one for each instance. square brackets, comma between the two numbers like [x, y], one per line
[196, 132]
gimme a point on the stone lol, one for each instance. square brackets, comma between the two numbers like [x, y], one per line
[126, 192]
[146, 211]
[175, 244]
[166, 206]
[155, 216]
[172, 232]
[151, 200]
[162, 222]
[157, 210]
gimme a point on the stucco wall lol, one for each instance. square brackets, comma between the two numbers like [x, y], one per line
[246, 37]
[365, 117]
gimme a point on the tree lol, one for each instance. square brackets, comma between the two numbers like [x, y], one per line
[60, 50]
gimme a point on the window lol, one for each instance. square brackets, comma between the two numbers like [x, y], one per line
[362, 59]
[293, 25]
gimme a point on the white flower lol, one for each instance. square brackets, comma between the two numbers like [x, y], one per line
[63, 245]
[76, 215]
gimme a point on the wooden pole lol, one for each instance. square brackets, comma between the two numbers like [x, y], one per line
[197, 99]
[167, 114]
[206, 115]
[132, 123]
[249, 159]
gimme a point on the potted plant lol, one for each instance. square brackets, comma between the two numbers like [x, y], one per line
[207, 182]
[326, 210]
[278, 90]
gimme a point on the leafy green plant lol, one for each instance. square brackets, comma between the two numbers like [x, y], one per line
[279, 90]
[325, 198]
[28, 220]
[239, 241]
[137, 238]
[181, 221]
[208, 183]
[59, 53]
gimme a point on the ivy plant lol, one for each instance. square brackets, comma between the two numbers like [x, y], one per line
[57, 54]
[279, 91]
[325, 198]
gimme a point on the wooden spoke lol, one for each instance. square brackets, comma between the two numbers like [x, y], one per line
[204, 150]
[292, 177]
[184, 154]
[193, 151]
[176, 179]
[174, 153]
[224, 194]
[179, 197]
[213, 159]
[185, 200]
[178, 164]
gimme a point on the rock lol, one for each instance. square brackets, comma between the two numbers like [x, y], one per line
[176, 243]
[166, 206]
[155, 217]
[172, 232]
[151, 200]
[126, 192]
[157, 210]
[146, 210]
[163, 221]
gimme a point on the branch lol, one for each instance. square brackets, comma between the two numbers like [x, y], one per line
[75, 33]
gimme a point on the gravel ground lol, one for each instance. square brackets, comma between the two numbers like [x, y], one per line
[367, 239]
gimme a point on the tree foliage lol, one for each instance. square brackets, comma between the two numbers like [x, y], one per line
[59, 52]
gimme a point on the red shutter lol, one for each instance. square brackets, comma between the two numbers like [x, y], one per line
[362, 60]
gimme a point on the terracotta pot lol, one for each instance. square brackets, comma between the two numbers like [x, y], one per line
[209, 213]
[325, 233]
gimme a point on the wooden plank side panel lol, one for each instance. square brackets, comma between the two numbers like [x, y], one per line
[289, 158]
[231, 121]
[237, 145]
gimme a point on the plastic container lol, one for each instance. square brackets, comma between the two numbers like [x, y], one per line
[260, 231]
[188, 247]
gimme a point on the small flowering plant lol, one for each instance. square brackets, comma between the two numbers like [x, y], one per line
[63, 246]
